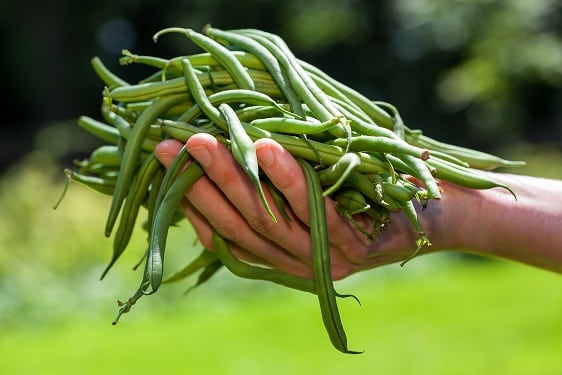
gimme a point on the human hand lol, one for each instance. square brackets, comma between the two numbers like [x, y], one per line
[225, 200]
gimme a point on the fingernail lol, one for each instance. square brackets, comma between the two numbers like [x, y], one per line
[202, 155]
[266, 157]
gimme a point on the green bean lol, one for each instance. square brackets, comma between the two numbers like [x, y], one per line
[422, 172]
[153, 197]
[170, 175]
[422, 240]
[248, 60]
[204, 258]
[278, 199]
[335, 175]
[251, 113]
[351, 111]
[99, 129]
[351, 202]
[267, 59]
[369, 143]
[246, 97]
[110, 79]
[377, 114]
[399, 127]
[131, 207]
[360, 126]
[274, 40]
[310, 150]
[131, 154]
[109, 107]
[244, 152]
[125, 129]
[307, 90]
[172, 112]
[464, 176]
[219, 52]
[107, 155]
[361, 183]
[105, 186]
[245, 270]
[201, 59]
[150, 90]
[294, 126]
[397, 191]
[334, 94]
[448, 157]
[475, 159]
[181, 131]
[198, 93]
[163, 219]
[130, 58]
[321, 259]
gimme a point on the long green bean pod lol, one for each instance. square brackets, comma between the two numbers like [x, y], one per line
[335, 175]
[99, 129]
[321, 259]
[249, 271]
[268, 60]
[135, 198]
[131, 154]
[110, 79]
[219, 52]
[162, 221]
[244, 153]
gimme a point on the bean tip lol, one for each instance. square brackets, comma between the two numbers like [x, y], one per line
[206, 28]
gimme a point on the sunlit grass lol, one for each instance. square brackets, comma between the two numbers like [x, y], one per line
[459, 318]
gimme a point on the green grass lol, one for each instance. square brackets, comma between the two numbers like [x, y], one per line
[458, 318]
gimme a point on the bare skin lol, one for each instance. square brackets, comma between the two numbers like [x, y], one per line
[488, 222]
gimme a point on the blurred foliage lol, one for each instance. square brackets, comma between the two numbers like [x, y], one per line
[506, 48]
[481, 73]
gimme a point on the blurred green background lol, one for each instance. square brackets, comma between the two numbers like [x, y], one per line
[483, 74]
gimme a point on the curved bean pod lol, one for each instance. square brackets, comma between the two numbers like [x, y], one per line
[132, 151]
[321, 260]
[248, 271]
[268, 60]
[164, 217]
[219, 52]
[133, 202]
[244, 152]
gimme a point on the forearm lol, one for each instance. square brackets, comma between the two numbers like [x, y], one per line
[525, 230]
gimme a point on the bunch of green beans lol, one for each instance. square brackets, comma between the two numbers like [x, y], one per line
[247, 85]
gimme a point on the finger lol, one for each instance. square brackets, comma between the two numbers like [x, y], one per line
[167, 150]
[285, 173]
[233, 182]
[209, 208]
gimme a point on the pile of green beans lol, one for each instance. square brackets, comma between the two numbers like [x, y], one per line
[247, 85]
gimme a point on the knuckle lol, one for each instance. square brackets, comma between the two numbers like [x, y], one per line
[229, 229]
[356, 254]
[262, 223]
